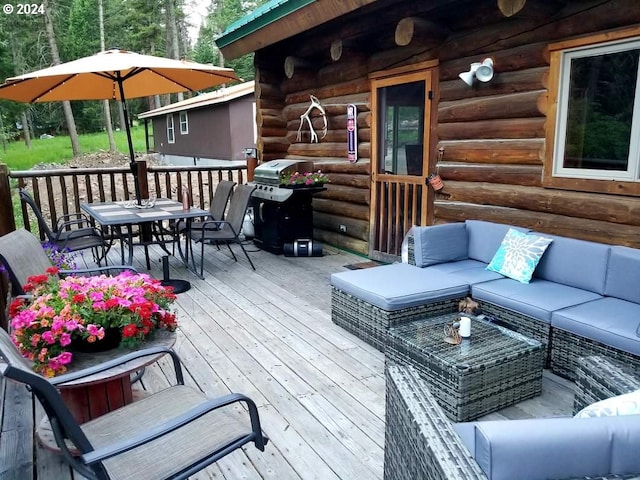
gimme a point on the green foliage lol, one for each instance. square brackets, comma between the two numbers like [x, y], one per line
[58, 149]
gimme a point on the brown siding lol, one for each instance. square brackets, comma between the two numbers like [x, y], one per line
[219, 131]
[493, 134]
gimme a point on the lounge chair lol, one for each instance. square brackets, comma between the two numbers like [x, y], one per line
[173, 433]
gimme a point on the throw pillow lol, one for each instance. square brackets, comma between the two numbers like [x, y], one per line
[518, 255]
[627, 404]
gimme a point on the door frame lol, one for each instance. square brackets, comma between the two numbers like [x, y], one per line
[427, 72]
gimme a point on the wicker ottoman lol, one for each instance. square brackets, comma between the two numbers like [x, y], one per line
[598, 378]
[491, 370]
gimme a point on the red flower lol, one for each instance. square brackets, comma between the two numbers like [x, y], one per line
[129, 331]
[52, 270]
[16, 306]
[38, 279]
[78, 298]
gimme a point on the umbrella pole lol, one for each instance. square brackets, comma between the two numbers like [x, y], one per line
[133, 164]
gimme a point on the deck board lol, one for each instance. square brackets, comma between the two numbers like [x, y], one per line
[268, 334]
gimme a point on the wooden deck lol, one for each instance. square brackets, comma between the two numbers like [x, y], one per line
[268, 334]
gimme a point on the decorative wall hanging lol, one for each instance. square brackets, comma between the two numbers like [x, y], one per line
[315, 103]
[352, 133]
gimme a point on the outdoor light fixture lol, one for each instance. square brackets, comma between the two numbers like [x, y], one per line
[483, 71]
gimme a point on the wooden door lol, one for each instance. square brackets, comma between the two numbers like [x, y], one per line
[400, 154]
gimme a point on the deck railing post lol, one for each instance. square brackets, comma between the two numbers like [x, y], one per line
[7, 218]
[143, 181]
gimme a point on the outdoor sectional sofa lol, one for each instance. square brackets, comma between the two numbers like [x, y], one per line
[421, 441]
[583, 298]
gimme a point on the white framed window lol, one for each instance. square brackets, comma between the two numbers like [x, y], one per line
[597, 131]
[184, 123]
[171, 134]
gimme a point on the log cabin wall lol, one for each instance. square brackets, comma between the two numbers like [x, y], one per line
[492, 136]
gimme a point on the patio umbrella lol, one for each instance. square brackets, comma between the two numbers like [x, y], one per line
[114, 75]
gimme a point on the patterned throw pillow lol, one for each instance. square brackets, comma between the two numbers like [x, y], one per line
[518, 255]
[627, 404]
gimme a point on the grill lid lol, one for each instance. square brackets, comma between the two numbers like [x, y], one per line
[269, 173]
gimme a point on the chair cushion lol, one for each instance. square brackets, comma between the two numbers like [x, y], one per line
[623, 274]
[535, 449]
[518, 255]
[440, 243]
[485, 238]
[397, 286]
[608, 320]
[576, 263]
[537, 299]
[626, 404]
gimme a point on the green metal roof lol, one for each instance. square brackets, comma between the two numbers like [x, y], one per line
[262, 16]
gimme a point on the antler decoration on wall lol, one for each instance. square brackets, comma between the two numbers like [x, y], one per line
[315, 103]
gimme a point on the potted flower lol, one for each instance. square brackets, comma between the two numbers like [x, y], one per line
[62, 312]
[307, 179]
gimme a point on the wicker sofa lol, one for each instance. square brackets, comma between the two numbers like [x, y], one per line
[583, 298]
[421, 442]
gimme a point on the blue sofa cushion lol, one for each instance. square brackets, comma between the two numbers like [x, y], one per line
[397, 286]
[623, 274]
[576, 263]
[537, 299]
[518, 255]
[440, 243]
[485, 238]
[608, 320]
[469, 271]
[537, 449]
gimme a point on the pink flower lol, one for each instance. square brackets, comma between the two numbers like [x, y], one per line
[48, 337]
[65, 358]
[65, 339]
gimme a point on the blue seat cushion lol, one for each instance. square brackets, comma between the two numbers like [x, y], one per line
[534, 449]
[397, 286]
[440, 243]
[469, 271]
[576, 263]
[485, 238]
[608, 320]
[623, 274]
[537, 299]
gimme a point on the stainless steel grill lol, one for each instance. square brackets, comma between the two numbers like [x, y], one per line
[281, 215]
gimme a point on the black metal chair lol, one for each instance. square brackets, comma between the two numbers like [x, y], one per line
[224, 231]
[72, 232]
[173, 433]
[217, 209]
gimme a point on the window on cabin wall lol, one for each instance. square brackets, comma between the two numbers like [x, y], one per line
[171, 134]
[596, 139]
[184, 123]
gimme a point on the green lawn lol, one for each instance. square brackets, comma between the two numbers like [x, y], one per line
[58, 149]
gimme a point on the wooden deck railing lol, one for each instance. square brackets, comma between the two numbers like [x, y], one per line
[61, 191]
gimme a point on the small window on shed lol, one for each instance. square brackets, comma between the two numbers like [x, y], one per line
[184, 123]
[171, 135]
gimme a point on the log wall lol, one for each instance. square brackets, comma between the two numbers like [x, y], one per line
[492, 135]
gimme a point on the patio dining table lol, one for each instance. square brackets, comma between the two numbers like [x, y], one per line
[124, 215]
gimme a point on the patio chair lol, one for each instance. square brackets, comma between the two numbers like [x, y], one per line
[173, 433]
[23, 256]
[224, 231]
[217, 208]
[73, 232]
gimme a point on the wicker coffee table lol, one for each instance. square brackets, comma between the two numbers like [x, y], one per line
[492, 369]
